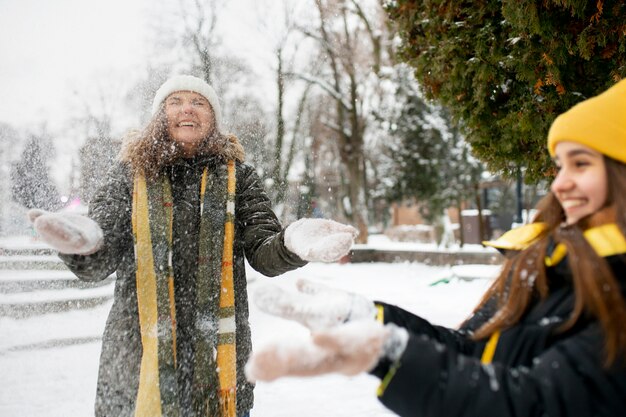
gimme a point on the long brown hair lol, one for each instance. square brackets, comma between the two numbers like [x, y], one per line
[152, 149]
[597, 292]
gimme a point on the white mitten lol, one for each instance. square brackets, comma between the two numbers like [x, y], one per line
[319, 240]
[67, 232]
[348, 349]
[316, 306]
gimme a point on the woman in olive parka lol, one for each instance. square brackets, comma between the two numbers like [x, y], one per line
[174, 221]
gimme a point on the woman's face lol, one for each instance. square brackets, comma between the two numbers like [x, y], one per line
[581, 185]
[189, 119]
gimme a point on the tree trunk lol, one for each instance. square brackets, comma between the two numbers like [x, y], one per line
[481, 224]
[459, 206]
[357, 199]
[280, 131]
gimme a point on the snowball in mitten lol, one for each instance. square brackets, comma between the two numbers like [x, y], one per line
[67, 232]
[319, 239]
[286, 358]
[347, 349]
[315, 306]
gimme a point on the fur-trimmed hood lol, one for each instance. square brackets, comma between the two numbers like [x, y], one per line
[233, 149]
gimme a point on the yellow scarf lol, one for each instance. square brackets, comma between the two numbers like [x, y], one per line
[215, 380]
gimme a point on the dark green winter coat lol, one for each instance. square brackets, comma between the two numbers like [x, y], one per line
[258, 236]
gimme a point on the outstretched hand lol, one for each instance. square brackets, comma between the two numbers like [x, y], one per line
[67, 232]
[348, 349]
[319, 240]
[315, 306]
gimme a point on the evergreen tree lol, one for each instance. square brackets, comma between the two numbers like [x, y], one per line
[97, 156]
[507, 68]
[429, 160]
[9, 137]
[31, 184]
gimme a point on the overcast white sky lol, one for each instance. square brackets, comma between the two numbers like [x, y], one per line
[46, 47]
[49, 47]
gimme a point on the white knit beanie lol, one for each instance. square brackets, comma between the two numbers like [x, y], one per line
[189, 83]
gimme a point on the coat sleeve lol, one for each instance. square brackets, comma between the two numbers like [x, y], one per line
[111, 208]
[459, 339]
[434, 379]
[262, 232]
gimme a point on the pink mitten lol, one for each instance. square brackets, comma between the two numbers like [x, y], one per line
[348, 349]
[315, 306]
[67, 232]
[319, 240]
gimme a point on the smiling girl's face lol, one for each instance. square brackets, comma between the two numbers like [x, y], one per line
[581, 185]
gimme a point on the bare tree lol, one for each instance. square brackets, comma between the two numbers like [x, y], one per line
[288, 128]
[200, 32]
[350, 44]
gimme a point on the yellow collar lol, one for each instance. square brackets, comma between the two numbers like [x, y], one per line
[606, 240]
[519, 238]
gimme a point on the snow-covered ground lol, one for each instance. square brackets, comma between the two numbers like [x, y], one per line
[48, 363]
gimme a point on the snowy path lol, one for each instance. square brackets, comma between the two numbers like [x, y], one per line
[49, 363]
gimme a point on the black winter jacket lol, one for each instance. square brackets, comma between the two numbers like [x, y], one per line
[258, 235]
[535, 371]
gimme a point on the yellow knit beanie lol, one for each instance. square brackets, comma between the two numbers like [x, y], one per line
[599, 123]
